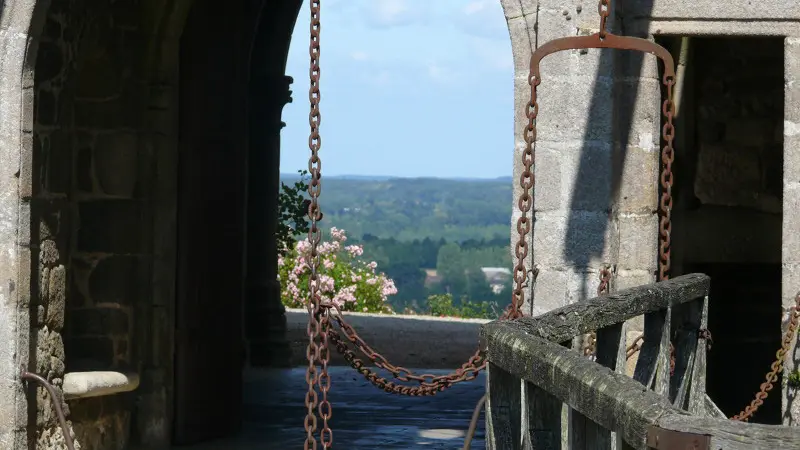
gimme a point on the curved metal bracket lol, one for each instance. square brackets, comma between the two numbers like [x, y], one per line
[609, 41]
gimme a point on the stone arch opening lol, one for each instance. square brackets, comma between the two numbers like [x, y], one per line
[139, 130]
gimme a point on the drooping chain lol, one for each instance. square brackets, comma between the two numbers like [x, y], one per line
[317, 317]
[777, 366]
[429, 384]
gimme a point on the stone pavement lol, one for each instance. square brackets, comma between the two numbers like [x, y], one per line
[364, 417]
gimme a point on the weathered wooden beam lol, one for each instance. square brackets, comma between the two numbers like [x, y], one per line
[732, 435]
[612, 400]
[565, 323]
[544, 419]
[503, 409]
[711, 410]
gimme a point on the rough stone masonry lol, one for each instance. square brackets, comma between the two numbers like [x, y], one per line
[89, 139]
[599, 125]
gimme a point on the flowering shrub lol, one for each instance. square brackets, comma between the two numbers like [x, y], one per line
[346, 280]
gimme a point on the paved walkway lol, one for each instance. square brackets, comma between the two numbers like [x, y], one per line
[363, 416]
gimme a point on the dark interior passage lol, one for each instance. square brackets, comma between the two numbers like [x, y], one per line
[728, 211]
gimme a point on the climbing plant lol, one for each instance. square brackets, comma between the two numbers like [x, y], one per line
[292, 213]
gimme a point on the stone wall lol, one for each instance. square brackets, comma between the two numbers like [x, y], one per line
[90, 209]
[631, 225]
[598, 124]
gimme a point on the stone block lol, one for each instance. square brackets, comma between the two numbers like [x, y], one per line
[90, 353]
[791, 155]
[573, 110]
[512, 9]
[573, 238]
[582, 285]
[626, 279]
[791, 284]
[791, 223]
[549, 189]
[49, 61]
[116, 280]
[638, 242]
[111, 226]
[550, 290]
[639, 182]
[637, 106]
[56, 298]
[522, 96]
[98, 322]
[521, 29]
[59, 163]
[709, 9]
[116, 163]
[84, 178]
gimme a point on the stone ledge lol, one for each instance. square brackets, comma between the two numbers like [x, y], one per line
[96, 384]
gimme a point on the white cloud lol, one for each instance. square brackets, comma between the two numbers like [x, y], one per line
[442, 74]
[359, 55]
[391, 13]
[495, 54]
[483, 18]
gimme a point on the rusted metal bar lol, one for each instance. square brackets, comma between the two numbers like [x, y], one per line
[56, 405]
[661, 439]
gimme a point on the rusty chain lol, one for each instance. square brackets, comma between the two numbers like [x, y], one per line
[777, 366]
[317, 317]
[604, 9]
[429, 384]
[605, 282]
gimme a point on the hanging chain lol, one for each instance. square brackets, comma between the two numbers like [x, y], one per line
[603, 8]
[317, 317]
[777, 366]
[429, 384]
[665, 205]
[602, 289]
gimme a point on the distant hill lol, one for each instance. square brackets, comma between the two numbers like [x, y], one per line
[416, 208]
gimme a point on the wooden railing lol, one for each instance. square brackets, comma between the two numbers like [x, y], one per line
[544, 395]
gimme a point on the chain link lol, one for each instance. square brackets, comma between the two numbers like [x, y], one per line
[777, 366]
[430, 384]
[604, 9]
[317, 317]
[590, 342]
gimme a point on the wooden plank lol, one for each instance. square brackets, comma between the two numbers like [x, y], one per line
[544, 419]
[610, 399]
[610, 352]
[732, 435]
[686, 319]
[711, 410]
[565, 323]
[652, 367]
[503, 409]
[697, 390]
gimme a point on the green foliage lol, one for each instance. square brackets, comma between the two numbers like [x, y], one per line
[409, 209]
[442, 306]
[794, 379]
[292, 213]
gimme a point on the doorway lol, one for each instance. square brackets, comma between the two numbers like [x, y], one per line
[728, 212]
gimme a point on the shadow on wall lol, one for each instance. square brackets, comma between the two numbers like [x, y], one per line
[596, 198]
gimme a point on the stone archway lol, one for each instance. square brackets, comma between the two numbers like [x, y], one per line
[90, 101]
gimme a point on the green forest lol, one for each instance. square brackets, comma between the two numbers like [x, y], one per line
[431, 236]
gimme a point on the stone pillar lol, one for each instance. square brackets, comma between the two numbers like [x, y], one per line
[791, 214]
[265, 316]
[574, 234]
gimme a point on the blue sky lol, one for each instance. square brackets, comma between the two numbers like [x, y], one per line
[409, 88]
